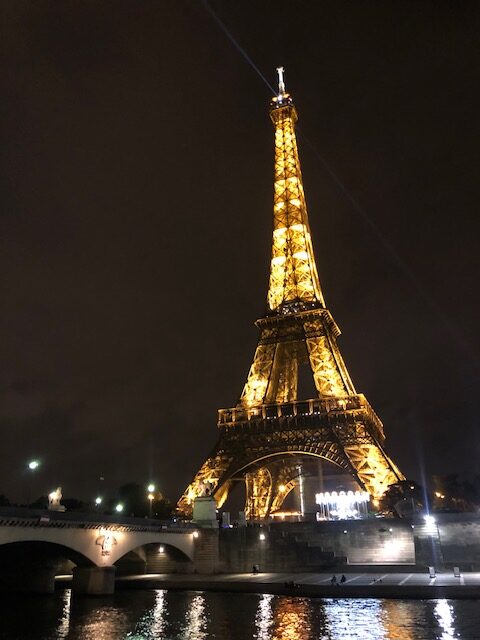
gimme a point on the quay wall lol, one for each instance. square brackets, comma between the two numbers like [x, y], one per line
[453, 540]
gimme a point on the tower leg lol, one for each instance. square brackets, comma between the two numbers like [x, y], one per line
[259, 493]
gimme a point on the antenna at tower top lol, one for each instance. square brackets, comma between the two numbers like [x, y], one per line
[281, 83]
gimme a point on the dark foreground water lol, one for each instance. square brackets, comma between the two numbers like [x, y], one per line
[192, 615]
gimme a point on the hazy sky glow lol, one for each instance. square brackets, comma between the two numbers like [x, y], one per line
[136, 223]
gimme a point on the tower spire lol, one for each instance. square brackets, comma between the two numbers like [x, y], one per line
[281, 83]
[293, 273]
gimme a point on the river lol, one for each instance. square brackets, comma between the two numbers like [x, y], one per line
[192, 615]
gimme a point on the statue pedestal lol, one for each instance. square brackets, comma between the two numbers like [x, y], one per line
[205, 513]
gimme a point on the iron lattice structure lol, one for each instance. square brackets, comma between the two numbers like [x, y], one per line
[263, 437]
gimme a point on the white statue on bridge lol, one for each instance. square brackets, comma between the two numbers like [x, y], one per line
[54, 500]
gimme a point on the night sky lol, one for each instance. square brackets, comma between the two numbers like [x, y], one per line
[136, 171]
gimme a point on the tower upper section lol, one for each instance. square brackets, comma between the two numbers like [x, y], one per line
[294, 283]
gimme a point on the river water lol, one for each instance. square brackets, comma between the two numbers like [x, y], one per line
[193, 615]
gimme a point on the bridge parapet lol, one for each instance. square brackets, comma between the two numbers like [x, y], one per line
[22, 517]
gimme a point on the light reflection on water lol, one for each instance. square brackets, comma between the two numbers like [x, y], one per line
[399, 620]
[196, 620]
[264, 617]
[64, 624]
[152, 623]
[293, 619]
[444, 614]
[169, 615]
[348, 619]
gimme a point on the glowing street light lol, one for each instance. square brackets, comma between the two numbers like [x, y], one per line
[151, 498]
[98, 500]
[119, 507]
[32, 466]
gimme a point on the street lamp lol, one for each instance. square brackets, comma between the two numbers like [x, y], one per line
[151, 498]
[119, 507]
[32, 466]
[98, 500]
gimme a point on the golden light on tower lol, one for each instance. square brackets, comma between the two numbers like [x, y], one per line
[271, 423]
[293, 273]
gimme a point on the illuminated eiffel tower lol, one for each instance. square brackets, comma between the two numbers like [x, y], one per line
[262, 439]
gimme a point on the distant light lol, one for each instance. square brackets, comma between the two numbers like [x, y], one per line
[345, 531]
[98, 500]
[161, 549]
[195, 534]
[151, 497]
[119, 507]
[33, 464]
[262, 537]
[151, 488]
[429, 520]
[390, 529]
[343, 505]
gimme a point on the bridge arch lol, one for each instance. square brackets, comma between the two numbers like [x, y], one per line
[167, 549]
[35, 551]
[101, 546]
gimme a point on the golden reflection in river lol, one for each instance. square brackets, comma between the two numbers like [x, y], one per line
[196, 619]
[64, 624]
[292, 619]
[352, 619]
[397, 620]
[264, 618]
[444, 614]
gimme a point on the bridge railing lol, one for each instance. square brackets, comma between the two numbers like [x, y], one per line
[25, 517]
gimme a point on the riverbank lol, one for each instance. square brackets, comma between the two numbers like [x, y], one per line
[356, 585]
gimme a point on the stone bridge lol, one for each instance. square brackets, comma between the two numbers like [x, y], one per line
[32, 542]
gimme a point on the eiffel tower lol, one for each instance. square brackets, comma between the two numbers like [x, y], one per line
[263, 437]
